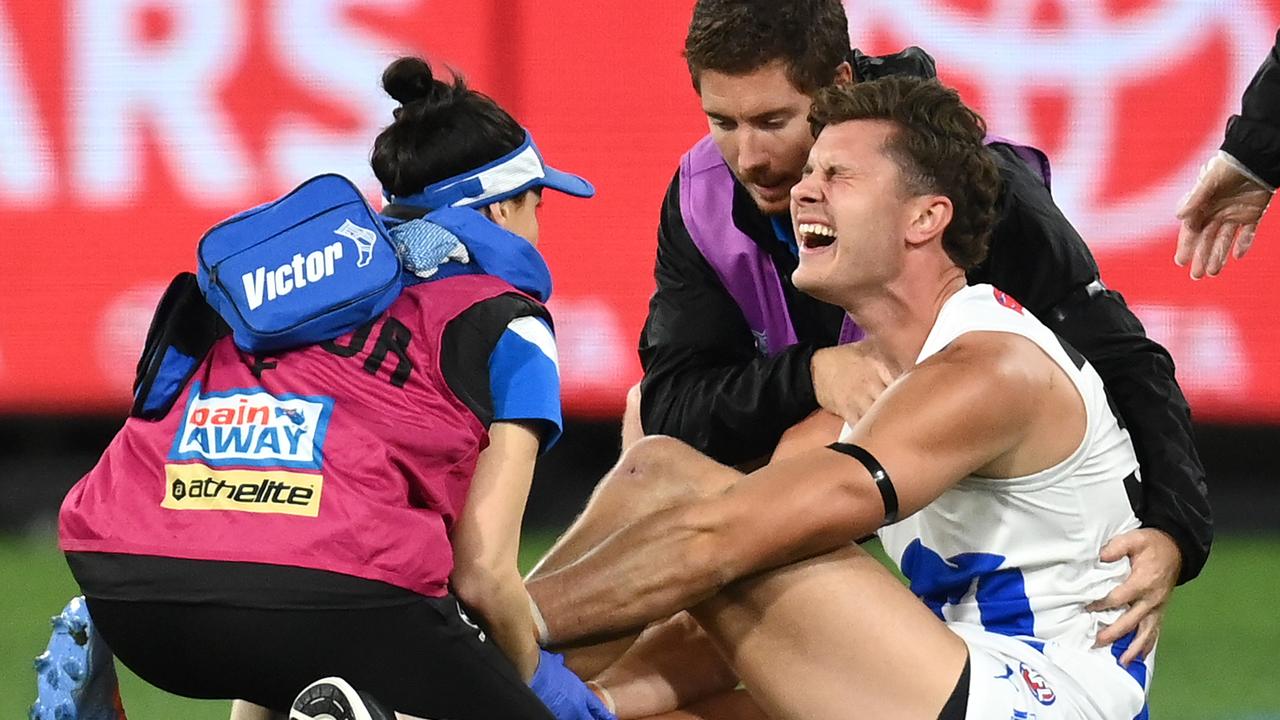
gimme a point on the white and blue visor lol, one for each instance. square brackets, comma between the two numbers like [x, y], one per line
[510, 175]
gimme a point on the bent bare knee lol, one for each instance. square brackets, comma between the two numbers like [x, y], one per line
[657, 453]
[668, 461]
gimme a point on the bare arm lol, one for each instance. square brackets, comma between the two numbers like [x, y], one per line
[949, 417]
[818, 430]
[487, 539]
[959, 413]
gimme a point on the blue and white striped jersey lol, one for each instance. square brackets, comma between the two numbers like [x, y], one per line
[1019, 557]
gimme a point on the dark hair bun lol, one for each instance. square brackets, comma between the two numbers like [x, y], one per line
[409, 80]
[440, 129]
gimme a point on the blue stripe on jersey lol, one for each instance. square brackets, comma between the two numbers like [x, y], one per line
[1003, 603]
[1001, 594]
[524, 377]
[1137, 669]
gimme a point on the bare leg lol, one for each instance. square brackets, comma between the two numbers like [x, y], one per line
[588, 661]
[834, 636]
[733, 705]
[656, 473]
[673, 664]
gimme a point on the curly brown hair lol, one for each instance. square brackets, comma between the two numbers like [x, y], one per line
[938, 147]
[740, 36]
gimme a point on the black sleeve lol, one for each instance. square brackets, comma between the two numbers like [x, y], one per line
[1253, 136]
[704, 382]
[1138, 374]
[1035, 254]
[183, 330]
[911, 62]
[472, 336]
[1038, 257]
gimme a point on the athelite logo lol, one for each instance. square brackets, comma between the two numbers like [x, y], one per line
[246, 449]
[195, 486]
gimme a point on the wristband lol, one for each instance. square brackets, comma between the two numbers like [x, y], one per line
[605, 696]
[540, 631]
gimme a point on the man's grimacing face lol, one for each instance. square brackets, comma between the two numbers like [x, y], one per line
[759, 121]
[850, 212]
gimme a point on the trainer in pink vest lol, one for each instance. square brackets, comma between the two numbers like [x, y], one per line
[353, 456]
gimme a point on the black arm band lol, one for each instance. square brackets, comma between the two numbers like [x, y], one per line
[878, 474]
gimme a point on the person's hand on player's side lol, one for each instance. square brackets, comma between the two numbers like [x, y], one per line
[1221, 211]
[1154, 564]
[847, 379]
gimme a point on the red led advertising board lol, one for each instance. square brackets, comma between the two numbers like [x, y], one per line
[127, 127]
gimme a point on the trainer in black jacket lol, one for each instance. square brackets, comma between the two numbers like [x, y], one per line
[706, 383]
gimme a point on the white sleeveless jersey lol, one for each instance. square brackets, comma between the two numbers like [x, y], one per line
[1019, 556]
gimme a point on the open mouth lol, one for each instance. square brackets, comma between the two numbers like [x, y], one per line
[812, 236]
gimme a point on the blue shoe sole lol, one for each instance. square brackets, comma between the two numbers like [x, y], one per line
[75, 675]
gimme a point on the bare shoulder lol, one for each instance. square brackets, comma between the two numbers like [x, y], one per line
[986, 381]
[964, 410]
[998, 362]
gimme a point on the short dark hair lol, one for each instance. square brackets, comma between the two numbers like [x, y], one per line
[441, 129]
[740, 36]
[938, 146]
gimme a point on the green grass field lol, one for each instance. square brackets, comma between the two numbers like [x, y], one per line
[1217, 657]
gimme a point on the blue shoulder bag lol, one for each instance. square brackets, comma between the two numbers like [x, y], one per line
[306, 268]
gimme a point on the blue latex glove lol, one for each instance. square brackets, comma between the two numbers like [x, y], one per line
[564, 693]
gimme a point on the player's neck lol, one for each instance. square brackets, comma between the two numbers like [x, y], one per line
[899, 317]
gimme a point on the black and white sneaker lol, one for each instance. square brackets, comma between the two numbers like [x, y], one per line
[334, 699]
